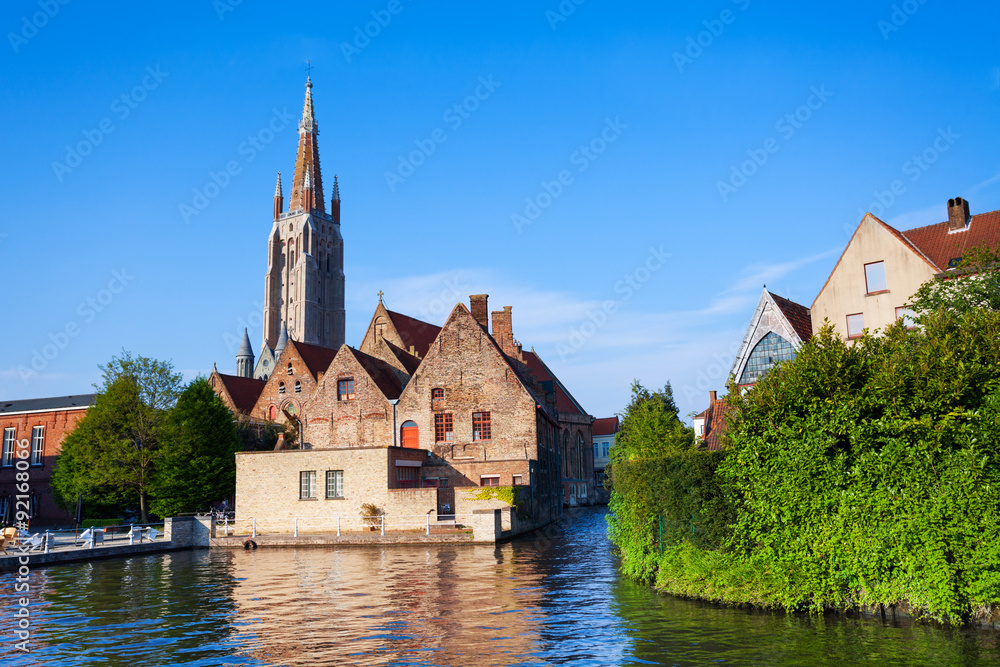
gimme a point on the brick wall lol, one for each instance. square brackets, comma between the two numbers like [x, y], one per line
[57, 425]
[289, 400]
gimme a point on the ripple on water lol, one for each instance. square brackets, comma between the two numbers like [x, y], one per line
[553, 598]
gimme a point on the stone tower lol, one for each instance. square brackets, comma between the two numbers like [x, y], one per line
[304, 285]
[244, 358]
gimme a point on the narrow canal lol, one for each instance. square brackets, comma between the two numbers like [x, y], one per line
[553, 599]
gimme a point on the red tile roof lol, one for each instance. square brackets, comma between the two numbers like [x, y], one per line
[414, 332]
[940, 245]
[408, 361]
[797, 315]
[606, 426]
[382, 374]
[316, 358]
[243, 391]
[716, 424]
[564, 400]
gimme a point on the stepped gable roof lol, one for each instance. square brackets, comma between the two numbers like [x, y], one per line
[940, 245]
[565, 403]
[798, 316]
[316, 357]
[243, 391]
[408, 361]
[605, 426]
[716, 424]
[74, 402]
[382, 374]
[414, 332]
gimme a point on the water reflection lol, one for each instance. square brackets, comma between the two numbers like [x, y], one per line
[551, 599]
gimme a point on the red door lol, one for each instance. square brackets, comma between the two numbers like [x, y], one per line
[410, 435]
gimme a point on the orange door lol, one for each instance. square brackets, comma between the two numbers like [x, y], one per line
[410, 435]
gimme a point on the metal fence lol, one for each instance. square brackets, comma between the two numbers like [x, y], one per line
[52, 540]
[340, 524]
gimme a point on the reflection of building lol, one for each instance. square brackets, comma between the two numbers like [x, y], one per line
[36, 427]
[605, 430]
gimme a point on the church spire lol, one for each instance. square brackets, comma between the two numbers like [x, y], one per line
[335, 201]
[307, 160]
[279, 198]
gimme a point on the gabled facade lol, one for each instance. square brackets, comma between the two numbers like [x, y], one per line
[881, 267]
[240, 394]
[403, 332]
[298, 371]
[776, 331]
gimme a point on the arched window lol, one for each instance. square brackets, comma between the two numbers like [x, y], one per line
[579, 456]
[565, 454]
[281, 387]
[272, 412]
[298, 387]
[289, 368]
[768, 352]
[409, 435]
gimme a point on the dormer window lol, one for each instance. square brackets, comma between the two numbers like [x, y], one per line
[281, 387]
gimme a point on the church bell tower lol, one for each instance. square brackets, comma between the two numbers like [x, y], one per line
[304, 285]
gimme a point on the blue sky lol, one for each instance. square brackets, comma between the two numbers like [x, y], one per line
[627, 179]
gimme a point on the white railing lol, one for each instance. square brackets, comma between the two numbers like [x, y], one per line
[341, 523]
[89, 538]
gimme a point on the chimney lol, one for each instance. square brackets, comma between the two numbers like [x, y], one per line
[477, 303]
[958, 214]
[712, 397]
[503, 332]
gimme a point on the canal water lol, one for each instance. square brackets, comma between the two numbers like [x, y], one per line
[551, 599]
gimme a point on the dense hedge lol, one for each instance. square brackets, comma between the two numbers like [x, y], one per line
[858, 475]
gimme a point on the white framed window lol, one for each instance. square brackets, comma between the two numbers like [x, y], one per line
[875, 277]
[855, 325]
[37, 445]
[607, 445]
[334, 483]
[8, 447]
[908, 316]
[572, 490]
[307, 485]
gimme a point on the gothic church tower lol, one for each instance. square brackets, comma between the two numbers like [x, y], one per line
[304, 285]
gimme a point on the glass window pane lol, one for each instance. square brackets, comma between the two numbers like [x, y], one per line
[855, 325]
[875, 277]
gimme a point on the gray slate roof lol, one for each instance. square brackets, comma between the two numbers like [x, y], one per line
[55, 403]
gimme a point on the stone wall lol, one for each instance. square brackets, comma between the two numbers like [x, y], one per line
[268, 488]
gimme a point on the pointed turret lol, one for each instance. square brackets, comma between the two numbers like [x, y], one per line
[282, 341]
[307, 160]
[244, 358]
[279, 198]
[335, 201]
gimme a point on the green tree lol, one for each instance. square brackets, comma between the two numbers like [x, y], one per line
[198, 463]
[973, 284]
[104, 423]
[650, 426]
[119, 452]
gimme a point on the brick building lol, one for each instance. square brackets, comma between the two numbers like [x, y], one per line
[478, 410]
[37, 427]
